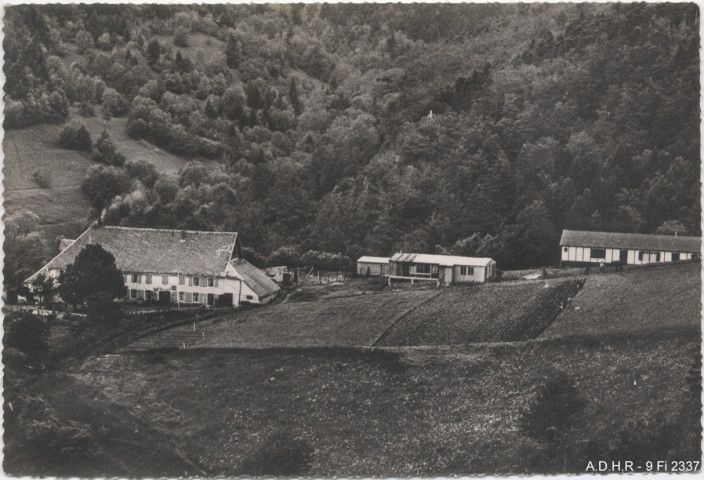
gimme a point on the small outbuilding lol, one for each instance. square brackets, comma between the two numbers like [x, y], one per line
[374, 266]
[583, 248]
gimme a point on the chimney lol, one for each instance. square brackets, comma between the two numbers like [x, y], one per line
[183, 236]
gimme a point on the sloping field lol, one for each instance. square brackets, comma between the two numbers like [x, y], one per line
[349, 321]
[164, 161]
[641, 300]
[62, 207]
[487, 313]
[326, 412]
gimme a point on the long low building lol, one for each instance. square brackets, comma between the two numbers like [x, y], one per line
[582, 247]
[180, 266]
[446, 269]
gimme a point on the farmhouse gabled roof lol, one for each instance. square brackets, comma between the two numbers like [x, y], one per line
[254, 278]
[154, 250]
[633, 241]
[368, 259]
[443, 260]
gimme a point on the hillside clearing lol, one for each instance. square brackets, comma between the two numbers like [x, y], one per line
[430, 411]
[62, 207]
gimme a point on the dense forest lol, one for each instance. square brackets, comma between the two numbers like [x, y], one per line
[328, 131]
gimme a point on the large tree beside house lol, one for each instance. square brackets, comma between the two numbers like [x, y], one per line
[92, 274]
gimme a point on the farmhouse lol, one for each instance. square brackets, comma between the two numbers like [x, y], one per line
[445, 269]
[180, 266]
[376, 266]
[581, 247]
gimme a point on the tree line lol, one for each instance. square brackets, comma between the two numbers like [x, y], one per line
[368, 129]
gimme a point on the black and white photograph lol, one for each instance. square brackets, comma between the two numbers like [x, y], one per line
[335, 240]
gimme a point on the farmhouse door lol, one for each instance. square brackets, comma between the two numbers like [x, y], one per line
[164, 298]
[623, 256]
[211, 299]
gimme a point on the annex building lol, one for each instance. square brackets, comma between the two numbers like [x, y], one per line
[374, 266]
[180, 266]
[581, 247]
[445, 269]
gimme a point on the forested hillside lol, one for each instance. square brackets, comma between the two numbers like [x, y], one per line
[370, 128]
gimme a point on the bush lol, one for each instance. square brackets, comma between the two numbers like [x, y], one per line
[104, 41]
[28, 334]
[137, 129]
[181, 37]
[142, 171]
[553, 410]
[75, 136]
[103, 183]
[86, 109]
[101, 307]
[84, 42]
[104, 151]
[326, 261]
[42, 178]
[114, 102]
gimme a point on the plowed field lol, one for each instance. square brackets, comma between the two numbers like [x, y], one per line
[487, 313]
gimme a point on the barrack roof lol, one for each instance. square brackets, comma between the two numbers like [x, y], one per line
[633, 241]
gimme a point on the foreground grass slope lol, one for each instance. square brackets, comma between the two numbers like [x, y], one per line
[324, 412]
[642, 300]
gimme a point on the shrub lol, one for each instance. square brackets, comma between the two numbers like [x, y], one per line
[84, 42]
[103, 183]
[101, 307]
[181, 37]
[114, 102]
[75, 136]
[137, 128]
[104, 41]
[86, 109]
[325, 260]
[28, 334]
[142, 171]
[553, 410]
[104, 151]
[42, 178]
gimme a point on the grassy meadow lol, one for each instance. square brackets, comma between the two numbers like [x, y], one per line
[325, 412]
[61, 206]
[648, 299]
